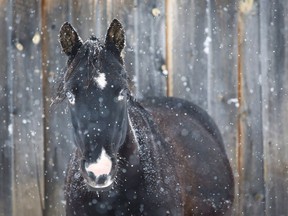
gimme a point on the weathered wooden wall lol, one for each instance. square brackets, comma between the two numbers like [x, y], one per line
[230, 57]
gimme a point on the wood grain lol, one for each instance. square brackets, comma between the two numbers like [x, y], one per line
[58, 130]
[188, 60]
[28, 170]
[274, 64]
[6, 151]
[222, 77]
[250, 135]
[149, 48]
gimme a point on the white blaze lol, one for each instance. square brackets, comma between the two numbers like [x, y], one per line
[101, 80]
[102, 166]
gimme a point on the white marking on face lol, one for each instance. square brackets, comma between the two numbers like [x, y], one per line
[70, 97]
[102, 166]
[101, 80]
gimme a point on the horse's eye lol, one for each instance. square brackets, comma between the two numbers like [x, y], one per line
[71, 97]
[121, 95]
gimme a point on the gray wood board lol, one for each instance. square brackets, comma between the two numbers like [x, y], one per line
[58, 130]
[274, 63]
[222, 84]
[28, 170]
[250, 135]
[186, 42]
[6, 151]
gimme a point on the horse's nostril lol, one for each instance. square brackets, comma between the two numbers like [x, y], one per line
[102, 179]
[91, 176]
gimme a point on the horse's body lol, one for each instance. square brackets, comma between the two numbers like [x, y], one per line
[170, 159]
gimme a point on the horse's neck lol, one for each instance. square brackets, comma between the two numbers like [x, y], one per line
[154, 154]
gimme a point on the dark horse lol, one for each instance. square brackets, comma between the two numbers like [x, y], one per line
[164, 156]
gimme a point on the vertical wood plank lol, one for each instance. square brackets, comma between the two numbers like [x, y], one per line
[150, 48]
[187, 49]
[83, 17]
[101, 10]
[274, 52]
[28, 178]
[250, 138]
[222, 89]
[222, 52]
[5, 107]
[58, 130]
[90, 18]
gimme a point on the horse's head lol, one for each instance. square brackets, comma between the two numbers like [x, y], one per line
[96, 87]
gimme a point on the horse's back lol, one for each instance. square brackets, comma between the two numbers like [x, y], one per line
[202, 165]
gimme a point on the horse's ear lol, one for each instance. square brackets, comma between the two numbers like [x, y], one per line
[69, 39]
[115, 38]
